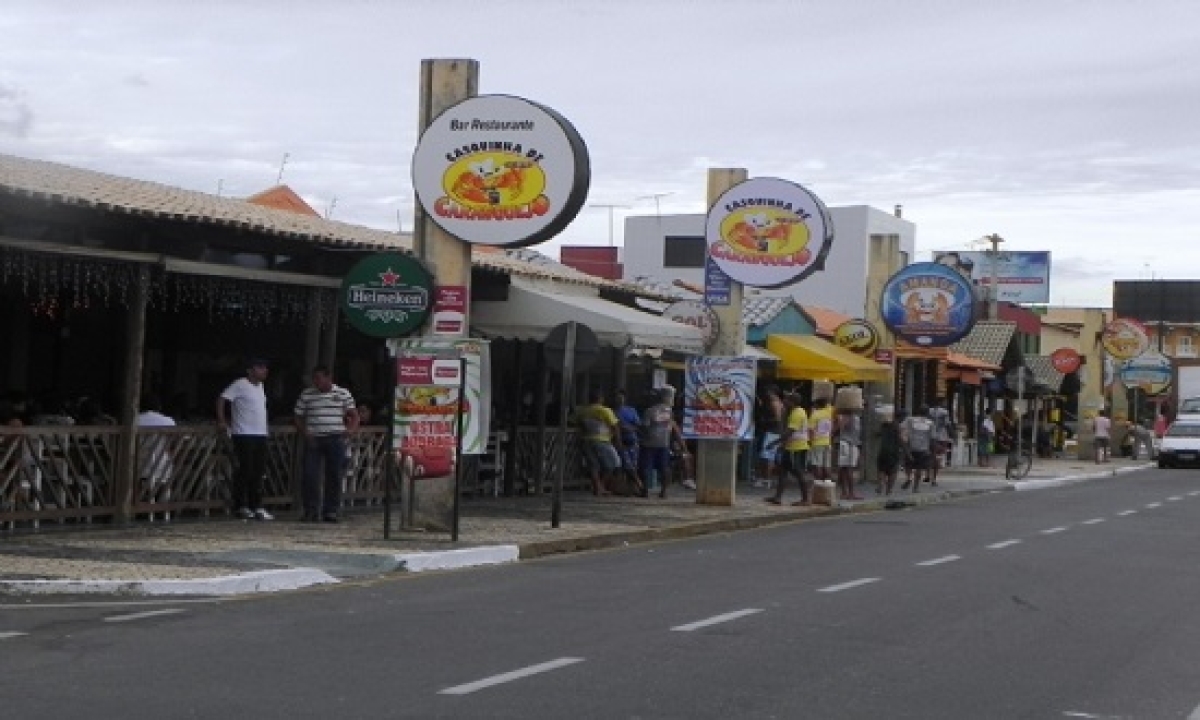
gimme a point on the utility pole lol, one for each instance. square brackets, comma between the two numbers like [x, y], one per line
[610, 208]
[993, 289]
[656, 197]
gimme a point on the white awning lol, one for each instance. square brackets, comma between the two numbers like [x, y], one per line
[531, 311]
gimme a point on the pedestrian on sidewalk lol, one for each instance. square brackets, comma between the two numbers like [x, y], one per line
[849, 445]
[820, 424]
[601, 440]
[629, 423]
[771, 418]
[916, 436]
[943, 437]
[794, 453]
[245, 403]
[1102, 427]
[659, 433]
[887, 461]
[324, 413]
[984, 439]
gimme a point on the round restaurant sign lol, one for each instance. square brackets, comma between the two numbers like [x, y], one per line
[698, 315]
[1150, 372]
[501, 170]
[1065, 360]
[928, 304]
[387, 295]
[1125, 339]
[767, 232]
[858, 336]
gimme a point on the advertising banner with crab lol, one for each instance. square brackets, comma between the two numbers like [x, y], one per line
[425, 424]
[928, 305]
[768, 233]
[477, 401]
[501, 170]
[718, 398]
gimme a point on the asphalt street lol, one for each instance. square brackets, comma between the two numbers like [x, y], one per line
[1075, 601]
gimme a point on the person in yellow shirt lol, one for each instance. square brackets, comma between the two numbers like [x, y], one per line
[600, 434]
[820, 424]
[795, 451]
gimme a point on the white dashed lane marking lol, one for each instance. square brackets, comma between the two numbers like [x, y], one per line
[1175, 498]
[716, 620]
[143, 615]
[848, 585]
[1003, 544]
[1093, 521]
[1123, 513]
[8, 635]
[1194, 493]
[1053, 530]
[509, 676]
[1151, 506]
[938, 561]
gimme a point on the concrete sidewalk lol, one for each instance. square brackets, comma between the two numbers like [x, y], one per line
[231, 557]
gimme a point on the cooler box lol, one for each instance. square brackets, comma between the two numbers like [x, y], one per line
[824, 492]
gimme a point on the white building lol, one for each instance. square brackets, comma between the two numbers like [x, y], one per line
[671, 247]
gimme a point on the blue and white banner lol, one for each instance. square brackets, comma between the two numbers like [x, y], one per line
[1021, 277]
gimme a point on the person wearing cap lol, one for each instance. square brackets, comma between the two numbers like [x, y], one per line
[244, 403]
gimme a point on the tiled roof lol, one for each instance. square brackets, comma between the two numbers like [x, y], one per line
[1044, 372]
[759, 311]
[67, 185]
[827, 320]
[63, 184]
[988, 341]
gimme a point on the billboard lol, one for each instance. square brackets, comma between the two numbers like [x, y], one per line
[1022, 277]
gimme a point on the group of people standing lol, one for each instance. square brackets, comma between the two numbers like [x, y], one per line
[640, 447]
[807, 446]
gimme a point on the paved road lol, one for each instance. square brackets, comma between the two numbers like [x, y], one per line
[1069, 602]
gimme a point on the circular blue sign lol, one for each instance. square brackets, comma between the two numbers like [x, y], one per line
[928, 304]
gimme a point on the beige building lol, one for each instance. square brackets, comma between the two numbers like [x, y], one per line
[1080, 329]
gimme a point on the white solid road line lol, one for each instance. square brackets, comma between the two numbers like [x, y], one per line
[1051, 531]
[1153, 505]
[848, 585]
[114, 604]
[7, 635]
[143, 615]
[1003, 544]
[1093, 521]
[938, 561]
[716, 619]
[1123, 513]
[509, 676]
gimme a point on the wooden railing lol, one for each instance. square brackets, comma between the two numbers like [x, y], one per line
[69, 474]
[530, 443]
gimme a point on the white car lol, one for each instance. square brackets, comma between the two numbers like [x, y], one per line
[1181, 445]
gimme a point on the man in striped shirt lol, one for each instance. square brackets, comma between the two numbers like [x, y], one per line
[324, 414]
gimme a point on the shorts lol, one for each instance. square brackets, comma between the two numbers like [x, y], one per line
[887, 463]
[1102, 442]
[794, 461]
[657, 459]
[847, 456]
[769, 449]
[602, 455]
[818, 457]
[629, 456]
[919, 460]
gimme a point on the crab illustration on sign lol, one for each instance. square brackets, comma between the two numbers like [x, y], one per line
[928, 304]
[767, 232]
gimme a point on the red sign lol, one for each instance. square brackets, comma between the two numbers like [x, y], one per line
[450, 310]
[884, 356]
[1065, 360]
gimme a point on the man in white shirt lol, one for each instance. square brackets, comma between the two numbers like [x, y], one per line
[1103, 427]
[155, 466]
[247, 401]
[324, 413]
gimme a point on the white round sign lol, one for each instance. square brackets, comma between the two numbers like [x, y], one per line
[698, 315]
[767, 232]
[501, 170]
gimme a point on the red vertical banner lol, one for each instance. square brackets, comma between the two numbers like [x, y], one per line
[428, 404]
[450, 310]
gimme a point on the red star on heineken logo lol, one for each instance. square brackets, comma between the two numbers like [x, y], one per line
[389, 278]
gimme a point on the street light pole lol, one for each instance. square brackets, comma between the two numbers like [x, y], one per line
[993, 289]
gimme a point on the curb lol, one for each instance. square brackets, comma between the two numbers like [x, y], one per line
[1072, 479]
[228, 585]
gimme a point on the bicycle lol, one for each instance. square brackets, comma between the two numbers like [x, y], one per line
[1020, 462]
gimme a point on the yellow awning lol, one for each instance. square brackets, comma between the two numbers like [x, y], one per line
[808, 357]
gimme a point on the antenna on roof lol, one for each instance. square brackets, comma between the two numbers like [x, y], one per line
[329, 210]
[282, 165]
[399, 221]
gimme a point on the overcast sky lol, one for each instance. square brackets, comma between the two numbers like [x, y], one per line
[1071, 126]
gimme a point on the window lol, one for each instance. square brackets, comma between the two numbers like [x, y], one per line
[1183, 345]
[683, 252]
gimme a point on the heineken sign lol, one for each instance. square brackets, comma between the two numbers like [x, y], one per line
[387, 295]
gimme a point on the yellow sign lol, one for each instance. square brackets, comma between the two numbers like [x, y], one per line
[858, 336]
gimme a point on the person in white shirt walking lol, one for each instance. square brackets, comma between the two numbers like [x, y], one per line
[1102, 427]
[247, 407]
[324, 413]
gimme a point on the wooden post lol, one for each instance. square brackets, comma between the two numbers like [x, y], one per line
[329, 338]
[312, 334]
[135, 340]
[716, 460]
